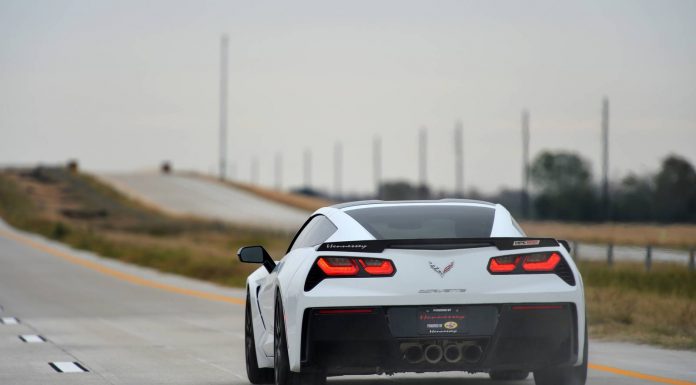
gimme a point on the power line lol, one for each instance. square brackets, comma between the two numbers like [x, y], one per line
[422, 156]
[605, 159]
[459, 159]
[254, 171]
[525, 164]
[377, 164]
[223, 106]
[308, 168]
[278, 171]
[338, 168]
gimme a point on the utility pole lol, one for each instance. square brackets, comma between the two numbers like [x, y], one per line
[605, 159]
[255, 171]
[308, 168]
[223, 107]
[278, 171]
[422, 156]
[377, 164]
[338, 168]
[458, 159]
[525, 164]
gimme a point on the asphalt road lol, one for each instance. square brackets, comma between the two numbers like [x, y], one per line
[185, 195]
[130, 325]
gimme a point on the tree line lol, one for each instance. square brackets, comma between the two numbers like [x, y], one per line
[563, 188]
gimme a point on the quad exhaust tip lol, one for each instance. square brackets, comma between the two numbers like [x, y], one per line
[452, 353]
[414, 354]
[433, 353]
[473, 353]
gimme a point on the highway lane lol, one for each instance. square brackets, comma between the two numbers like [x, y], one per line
[187, 195]
[130, 325]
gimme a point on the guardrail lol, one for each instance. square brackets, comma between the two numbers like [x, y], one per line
[646, 254]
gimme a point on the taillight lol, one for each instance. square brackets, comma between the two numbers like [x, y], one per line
[541, 262]
[355, 267]
[544, 262]
[504, 264]
[337, 266]
[348, 267]
[374, 266]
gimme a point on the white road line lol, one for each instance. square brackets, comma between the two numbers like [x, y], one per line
[9, 321]
[68, 367]
[32, 338]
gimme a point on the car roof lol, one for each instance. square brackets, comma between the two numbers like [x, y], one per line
[378, 202]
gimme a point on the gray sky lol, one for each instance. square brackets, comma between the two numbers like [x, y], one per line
[122, 85]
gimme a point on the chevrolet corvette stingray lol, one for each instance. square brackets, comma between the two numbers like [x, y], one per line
[382, 287]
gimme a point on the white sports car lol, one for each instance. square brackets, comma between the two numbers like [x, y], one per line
[415, 286]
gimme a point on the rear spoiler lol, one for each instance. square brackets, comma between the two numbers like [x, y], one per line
[379, 245]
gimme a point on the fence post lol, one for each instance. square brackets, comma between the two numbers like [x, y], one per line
[576, 255]
[610, 254]
[692, 263]
[648, 257]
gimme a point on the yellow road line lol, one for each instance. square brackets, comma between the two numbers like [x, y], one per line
[119, 274]
[223, 298]
[640, 376]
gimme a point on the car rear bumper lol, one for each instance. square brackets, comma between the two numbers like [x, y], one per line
[472, 338]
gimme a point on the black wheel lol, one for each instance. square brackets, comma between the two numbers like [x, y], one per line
[283, 374]
[508, 375]
[564, 375]
[281, 364]
[256, 375]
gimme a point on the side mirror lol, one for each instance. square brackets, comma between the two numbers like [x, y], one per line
[256, 254]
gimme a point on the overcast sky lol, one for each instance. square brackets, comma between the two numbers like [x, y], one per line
[123, 85]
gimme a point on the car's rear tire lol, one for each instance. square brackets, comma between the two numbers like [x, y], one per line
[508, 375]
[255, 374]
[564, 375]
[283, 374]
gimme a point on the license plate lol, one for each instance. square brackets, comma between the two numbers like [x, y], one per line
[444, 320]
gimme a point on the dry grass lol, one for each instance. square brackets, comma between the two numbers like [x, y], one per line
[627, 303]
[629, 315]
[673, 236]
[127, 230]
[302, 202]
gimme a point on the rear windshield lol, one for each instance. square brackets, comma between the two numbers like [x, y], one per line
[426, 221]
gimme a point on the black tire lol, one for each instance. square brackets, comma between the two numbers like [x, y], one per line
[508, 375]
[564, 375]
[283, 374]
[255, 374]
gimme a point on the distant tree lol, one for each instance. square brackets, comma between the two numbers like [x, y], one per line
[563, 185]
[511, 199]
[309, 192]
[402, 190]
[675, 191]
[633, 200]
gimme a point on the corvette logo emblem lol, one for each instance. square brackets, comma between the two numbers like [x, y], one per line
[442, 272]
